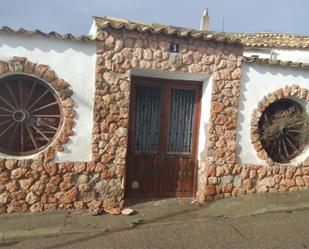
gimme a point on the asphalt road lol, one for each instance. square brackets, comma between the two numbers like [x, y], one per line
[274, 230]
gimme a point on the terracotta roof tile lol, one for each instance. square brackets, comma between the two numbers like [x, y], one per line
[256, 59]
[52, 34]
[116, 23]
[272, 40]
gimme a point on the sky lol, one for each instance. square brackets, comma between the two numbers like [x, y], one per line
[75, 16]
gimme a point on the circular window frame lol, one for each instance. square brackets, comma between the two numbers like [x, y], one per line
[280, 138]
[60, 90]
[46, 85]
[292, 92]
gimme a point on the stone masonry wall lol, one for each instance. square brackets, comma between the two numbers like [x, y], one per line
[41, 184]
[118, 51]
[219, 175]
[225, 181]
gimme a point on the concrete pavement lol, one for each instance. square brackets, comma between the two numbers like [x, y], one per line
[282, 230]
[17, 227]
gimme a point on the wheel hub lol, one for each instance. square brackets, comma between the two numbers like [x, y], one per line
[20, 116]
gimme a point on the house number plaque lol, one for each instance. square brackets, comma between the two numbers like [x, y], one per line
[174, 47]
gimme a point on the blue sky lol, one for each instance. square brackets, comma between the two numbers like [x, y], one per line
[74, 16]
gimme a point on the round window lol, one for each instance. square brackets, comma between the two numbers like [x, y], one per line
[30, 115]
[283, 130]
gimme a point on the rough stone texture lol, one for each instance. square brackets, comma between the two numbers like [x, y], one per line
[274, 177]
[235, 180]
[120, 51]
[249, 181]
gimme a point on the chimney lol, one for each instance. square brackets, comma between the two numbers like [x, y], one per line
[205, 21]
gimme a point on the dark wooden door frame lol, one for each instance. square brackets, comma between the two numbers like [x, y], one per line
[179, 84]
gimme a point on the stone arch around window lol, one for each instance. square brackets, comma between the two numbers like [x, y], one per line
[287, 92]
[62, 90]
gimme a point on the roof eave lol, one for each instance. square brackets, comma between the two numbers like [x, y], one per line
[52, 34]
[116, 23]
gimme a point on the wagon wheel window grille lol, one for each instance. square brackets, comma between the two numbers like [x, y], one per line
[30, 115]
[283, 130]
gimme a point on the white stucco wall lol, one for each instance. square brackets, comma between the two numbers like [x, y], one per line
[205, 116]
[75, 63]
[296, 55]
[256, 82]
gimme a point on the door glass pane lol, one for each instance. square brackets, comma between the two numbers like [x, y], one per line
[147, 119]
[181, 120]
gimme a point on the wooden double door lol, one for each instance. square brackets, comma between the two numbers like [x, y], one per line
[163, 133]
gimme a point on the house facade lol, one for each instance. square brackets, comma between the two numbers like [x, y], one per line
[140, 110]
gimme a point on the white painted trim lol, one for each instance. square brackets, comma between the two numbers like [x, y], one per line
[175, 75]
[204, 125]
[205, 116]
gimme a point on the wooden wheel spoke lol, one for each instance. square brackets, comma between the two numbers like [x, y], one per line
[279, 147]
[6, 110]
[284, 147]
[22, 141]
[7, 128]
[296, 131]
[6, 102]
[31, 137]
[5, 115]
[13, 135]
[20, 94]
[41, 133]
[48, 126]
[291, 144]
[12, 95]
[293, 138]
[43, 107]
[30, 94]
[5, 121]
[46, 115]
[38, 99]
[273, 146]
